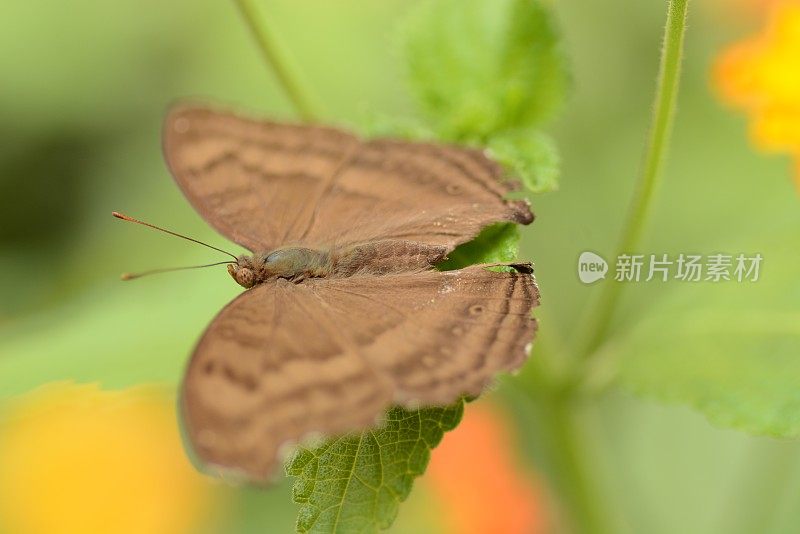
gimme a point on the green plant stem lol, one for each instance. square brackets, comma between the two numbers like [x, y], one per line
[556, 417]
[554, 427]
[650, 177]
[286, 75]
[572, 475]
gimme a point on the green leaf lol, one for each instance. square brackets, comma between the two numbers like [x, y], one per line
[373, 125]
[729, 349]
[480, 67]
[356, 483]
[487, 86]
[496, 243]
[98, 337]
[528, 155]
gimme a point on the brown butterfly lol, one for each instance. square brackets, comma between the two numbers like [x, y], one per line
[344, 313]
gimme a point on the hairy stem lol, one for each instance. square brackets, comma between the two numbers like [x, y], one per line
[561, 446]
[554, 404]
[277, 61]
[650, 177]
[573, 475]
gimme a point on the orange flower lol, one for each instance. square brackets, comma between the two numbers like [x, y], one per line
[761, 75]
[480, 484]
[76, 459]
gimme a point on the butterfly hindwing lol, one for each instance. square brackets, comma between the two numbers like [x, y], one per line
[269, 370]
[434, 335]
[285, 361]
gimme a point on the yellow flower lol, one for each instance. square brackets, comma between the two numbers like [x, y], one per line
[761, 75]
[76, 459]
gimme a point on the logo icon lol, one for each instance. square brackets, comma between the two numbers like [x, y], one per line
[591, 267]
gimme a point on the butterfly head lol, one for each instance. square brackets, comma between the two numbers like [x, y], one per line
[244, 272]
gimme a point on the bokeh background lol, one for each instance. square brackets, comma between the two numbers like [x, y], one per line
[83, 90]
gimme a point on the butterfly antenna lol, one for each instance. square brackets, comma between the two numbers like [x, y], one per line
[133, 276]
[137, 221]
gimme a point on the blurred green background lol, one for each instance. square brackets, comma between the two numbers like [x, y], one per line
[83, 91]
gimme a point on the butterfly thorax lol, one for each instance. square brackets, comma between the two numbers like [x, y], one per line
[295, 264]
[299, 263]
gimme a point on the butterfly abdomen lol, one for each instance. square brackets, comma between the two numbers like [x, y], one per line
[385, 257]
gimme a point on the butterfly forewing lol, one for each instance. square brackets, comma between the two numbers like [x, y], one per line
[266, 185]
[254, 181]
[422, 192]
